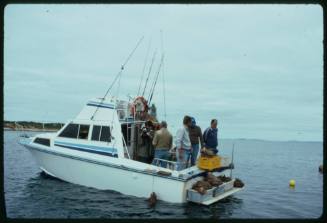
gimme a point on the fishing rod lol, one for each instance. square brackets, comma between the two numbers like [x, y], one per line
[145, 60]
[117, 75]
[155, 82]
[156, 78]
[146, 82]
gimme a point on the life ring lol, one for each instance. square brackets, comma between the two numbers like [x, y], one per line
[139, 105]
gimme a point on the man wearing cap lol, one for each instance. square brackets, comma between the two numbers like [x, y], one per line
[162, 141]
[195, 136]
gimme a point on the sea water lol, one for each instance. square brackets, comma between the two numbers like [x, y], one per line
[264, 166]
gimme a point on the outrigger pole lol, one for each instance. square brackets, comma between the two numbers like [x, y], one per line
[163, 76]
[117, 75]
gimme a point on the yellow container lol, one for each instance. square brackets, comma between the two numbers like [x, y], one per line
[209, 163]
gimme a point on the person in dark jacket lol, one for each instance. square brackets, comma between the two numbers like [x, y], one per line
[146, 151]
[210, 136]
[195, 136]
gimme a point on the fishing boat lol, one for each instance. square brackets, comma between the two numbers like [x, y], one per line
[98, 148]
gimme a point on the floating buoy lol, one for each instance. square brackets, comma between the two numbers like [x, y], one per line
[292, 183]
[321, 169]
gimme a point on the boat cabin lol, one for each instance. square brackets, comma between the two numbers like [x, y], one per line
[109, 127]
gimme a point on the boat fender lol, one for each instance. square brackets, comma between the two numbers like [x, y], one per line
[164, 173]
[238, 183]
[152, 199]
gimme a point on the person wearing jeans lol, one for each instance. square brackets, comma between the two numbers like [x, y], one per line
[195, 137]
[183, 144]
[161, 153]
[162, 141]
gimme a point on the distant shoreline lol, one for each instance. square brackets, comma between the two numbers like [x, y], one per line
[228, 139]
[31, 126]
[30, 130]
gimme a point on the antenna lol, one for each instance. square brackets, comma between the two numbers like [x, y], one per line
[231, 170]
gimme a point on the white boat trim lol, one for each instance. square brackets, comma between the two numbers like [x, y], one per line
[111, 165]
[222, 196]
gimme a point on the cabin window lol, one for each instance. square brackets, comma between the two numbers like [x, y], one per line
[42, 141]
[101, 133]
[83, 131]
[96, 132]
[70, 131]
[105, 134]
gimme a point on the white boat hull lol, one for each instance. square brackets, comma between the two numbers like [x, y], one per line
[104, 177]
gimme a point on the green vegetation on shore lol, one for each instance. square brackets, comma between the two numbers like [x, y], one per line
[31, 125]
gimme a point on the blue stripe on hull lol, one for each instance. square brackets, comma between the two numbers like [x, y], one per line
[87, 150]
[88, 147]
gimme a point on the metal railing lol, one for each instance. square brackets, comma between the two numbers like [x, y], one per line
[125, 147]
[165, 163]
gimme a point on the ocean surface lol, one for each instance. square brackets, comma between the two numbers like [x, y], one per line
[264, 166]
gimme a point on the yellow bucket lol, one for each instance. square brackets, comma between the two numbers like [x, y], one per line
[209, 163]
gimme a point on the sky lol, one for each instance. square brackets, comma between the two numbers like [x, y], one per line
[258, 69]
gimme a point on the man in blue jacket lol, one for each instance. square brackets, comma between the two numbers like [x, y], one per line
[210, 136]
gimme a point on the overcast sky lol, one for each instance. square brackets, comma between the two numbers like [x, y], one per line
[258, 69]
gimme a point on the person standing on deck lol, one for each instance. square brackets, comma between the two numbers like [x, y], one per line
[195, 136]
[183, 144]
[146, 150]
[162, 142]
[210, 136]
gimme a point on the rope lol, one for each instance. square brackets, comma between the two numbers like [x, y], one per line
[117, 75]
[152, 182]
[145, 60]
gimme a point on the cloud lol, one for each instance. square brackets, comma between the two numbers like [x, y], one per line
[258, 68]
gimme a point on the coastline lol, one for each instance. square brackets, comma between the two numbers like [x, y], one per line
[227, 139]
[30, 129]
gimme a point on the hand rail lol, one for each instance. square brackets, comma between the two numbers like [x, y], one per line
[156, 162]
[125, 147]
